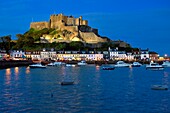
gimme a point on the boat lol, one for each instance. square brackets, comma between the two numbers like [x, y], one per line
[50, 64]
[136, 64]
[67, 82]
[159, 87]
[82, 63]
[121, 64]
[154, 66]
[166, 64]
[37, 66]
[70, 65]
[109, 68]
[59, 63]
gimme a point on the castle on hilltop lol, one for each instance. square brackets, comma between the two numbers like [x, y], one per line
[68, 29]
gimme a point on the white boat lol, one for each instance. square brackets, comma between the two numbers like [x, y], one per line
[154, 66]
[37, 66]
[121, 64]
[50, 64]
[70, 65]
[136, 64]
[59, 63]
[82, 63]
[159, 87]
[166, 64]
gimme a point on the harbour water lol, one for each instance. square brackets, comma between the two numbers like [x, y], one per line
[123, 90]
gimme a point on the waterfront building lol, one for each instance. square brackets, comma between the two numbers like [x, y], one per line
[153, 56]
[113, 54]
[72, 55]
[28, 54]
[48, 55]
[35, 55]
[17, 54]
[122, 55]
[130, 56]
[144, 54]
[136, 54]
[2, 54]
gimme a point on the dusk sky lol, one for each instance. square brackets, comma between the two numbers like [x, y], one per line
[141, 23]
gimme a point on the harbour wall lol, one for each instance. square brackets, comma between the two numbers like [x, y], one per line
[14, 63]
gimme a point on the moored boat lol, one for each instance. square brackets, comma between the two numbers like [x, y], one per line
[67, 82]
[37, 66]
[70, 65]
[136, 64]
[159, 87]
[50, 64]
[59, 63]
[121, 64]
[82, 63]
[166, 64]
[108, 68]
[154, 66]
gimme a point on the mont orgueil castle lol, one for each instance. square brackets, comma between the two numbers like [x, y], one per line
[67, 29]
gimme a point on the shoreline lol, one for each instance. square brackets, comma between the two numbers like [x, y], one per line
[14, 63]
[18, 63]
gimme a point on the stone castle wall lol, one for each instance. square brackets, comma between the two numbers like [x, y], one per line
[59, 20]
[91, 37]
[39, 25]
[69, 23]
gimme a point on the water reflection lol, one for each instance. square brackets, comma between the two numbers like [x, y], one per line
[16, 70]
[8, 76]
[27, 70]
[130, 86]
[165, 78]
[97, 67]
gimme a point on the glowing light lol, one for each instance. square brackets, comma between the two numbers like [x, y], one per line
[27, 70]
[8, 77]
[8, 71]
[16, 69]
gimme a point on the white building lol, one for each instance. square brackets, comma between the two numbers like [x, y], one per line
[113, 54]
[144, 54]
[69, 55]
[35, 55]
[17, 54]
[130, 56]
[48, 54]
[122, 55]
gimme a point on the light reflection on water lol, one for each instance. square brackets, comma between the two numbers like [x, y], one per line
[95, 90]
[8, 76]
[27, 70]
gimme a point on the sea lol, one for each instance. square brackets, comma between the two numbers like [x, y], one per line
[122, 90]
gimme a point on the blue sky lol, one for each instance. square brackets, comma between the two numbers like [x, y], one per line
[142, 23]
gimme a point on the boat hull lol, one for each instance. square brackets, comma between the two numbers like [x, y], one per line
[108, 68]
[67, 83]
[37, 67]
[155, 68]
[159, 87]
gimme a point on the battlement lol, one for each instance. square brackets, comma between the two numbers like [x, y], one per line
[58, 21]
[77, 28]
[39, 25]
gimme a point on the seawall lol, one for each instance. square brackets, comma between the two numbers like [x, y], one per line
[14, 63]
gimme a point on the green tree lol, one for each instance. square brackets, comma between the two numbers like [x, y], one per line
[76, 45]
[60, 46]
[6, 40]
